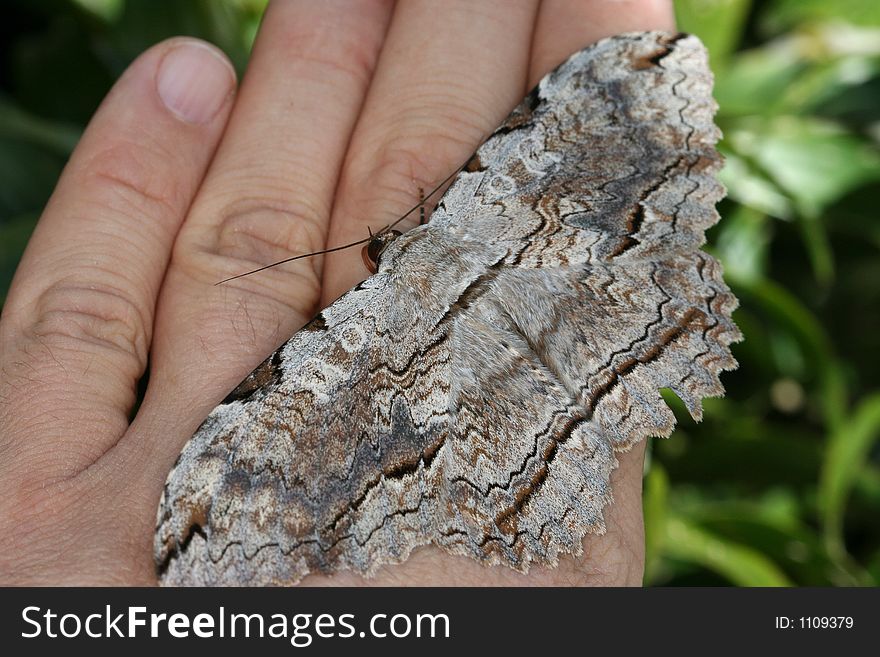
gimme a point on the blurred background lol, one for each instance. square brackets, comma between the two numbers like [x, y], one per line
[780, 484]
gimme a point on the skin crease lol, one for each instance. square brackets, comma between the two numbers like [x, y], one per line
[347, 108]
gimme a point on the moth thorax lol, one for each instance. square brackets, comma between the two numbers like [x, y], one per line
[373, 249]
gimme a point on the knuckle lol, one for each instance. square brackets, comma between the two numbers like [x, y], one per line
[412, 159]
[256, 231]
[263, 227]
[321, 49]
[350, 61]
[94, 318]
[423, 156]
[128, 178]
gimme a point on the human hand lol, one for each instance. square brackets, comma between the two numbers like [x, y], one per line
[345, 111]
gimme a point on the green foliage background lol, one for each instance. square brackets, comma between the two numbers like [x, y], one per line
[780, 484]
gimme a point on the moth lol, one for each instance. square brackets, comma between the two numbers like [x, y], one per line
[473, 393]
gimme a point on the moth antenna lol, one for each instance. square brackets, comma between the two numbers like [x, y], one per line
[297, 257]
[384, 229]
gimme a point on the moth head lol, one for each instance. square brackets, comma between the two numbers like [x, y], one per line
[373, 249]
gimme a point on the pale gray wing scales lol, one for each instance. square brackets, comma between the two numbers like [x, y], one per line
[330, 455]
[595, 345]
[614, 335]
[527, 480]
[611, 157]
[601, 185]
[311, 462]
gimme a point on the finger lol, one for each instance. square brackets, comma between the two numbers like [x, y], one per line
[448, 74]
[267, 196]
[565, 27]
[77, 324]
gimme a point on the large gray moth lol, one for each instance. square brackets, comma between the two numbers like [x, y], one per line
[473, 392]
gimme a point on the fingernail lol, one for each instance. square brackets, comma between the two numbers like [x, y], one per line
[194, 81]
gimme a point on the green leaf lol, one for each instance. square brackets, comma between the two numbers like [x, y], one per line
[14, 235]
[57, 73]
[846, 455]
[742, 243]
[718, 23]
[746, 184]
[739, 564]
[787, 311]
[818, 245]
[107, 10]
[824, 83]
[800, 72]
[229, 25]
[753, 82]
[815, 162]
[874, 567]
[785, 14]
[28, 175]
[53, 135]
[655, 501]
[772, 524]
[790, 314]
